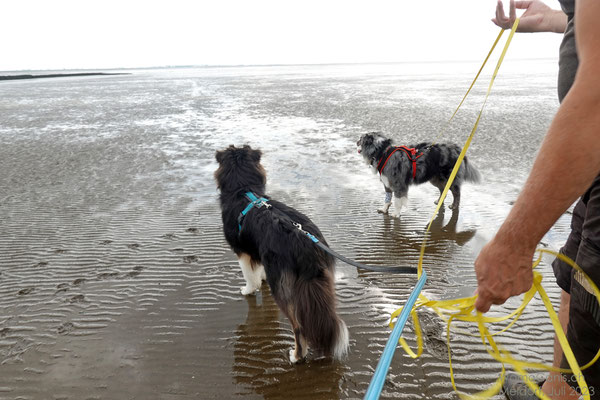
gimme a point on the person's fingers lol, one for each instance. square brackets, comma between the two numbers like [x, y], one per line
[512, 11]
[523, 4]
[482, 304]
[485, 298]
[500, 17]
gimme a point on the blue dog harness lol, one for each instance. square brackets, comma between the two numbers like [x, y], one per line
[258, 202]
[254, 202]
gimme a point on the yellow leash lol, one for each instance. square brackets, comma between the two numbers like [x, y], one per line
[463, 309]
[471, 87]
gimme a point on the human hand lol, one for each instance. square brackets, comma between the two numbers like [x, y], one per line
[538, 17]
[502, 271]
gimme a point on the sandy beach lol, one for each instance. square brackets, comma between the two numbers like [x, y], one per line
[115, 278]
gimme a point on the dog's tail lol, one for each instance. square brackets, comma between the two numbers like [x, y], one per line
[471, 173]
[315, 310]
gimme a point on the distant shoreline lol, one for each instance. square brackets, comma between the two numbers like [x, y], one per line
[45, 76]
[213, 66]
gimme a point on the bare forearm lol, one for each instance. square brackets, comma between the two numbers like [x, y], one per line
[566, 165]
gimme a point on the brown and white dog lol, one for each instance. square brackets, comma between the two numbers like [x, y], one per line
[269, 247]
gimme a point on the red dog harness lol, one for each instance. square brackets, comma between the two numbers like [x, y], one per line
[410, 152]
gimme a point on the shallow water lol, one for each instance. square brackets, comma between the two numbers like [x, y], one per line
[116, 281]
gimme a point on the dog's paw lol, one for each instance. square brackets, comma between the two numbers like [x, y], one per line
[293, 358]
[246, 290]
[397, 212]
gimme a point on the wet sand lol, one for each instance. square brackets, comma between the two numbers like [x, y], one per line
[116, 281]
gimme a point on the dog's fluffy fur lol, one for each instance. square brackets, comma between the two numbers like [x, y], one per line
[434, 165]
[300, 275]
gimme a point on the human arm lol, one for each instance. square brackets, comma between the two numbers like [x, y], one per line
[538, 17]
[566, 165]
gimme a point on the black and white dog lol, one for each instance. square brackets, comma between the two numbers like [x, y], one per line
[261, 233]
[402, 166]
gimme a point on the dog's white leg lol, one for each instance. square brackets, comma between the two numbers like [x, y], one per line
[386, 204]
[399, 203]
[252, 277]
[293, 358]
[261, 272]
[300, 350]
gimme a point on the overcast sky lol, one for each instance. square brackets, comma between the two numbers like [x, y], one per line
[71, 34]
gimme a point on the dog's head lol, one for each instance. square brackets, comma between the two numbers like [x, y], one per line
[239, 167]
[370, 144]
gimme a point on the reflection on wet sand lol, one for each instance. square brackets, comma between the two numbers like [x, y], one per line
[401, 242]
[260, 353]
[440, 232]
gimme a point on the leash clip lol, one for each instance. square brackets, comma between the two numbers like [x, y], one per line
[310, 235]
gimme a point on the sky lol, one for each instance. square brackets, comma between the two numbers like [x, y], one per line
[92, 34]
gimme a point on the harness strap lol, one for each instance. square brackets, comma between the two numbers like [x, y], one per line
[411, 153]
[254, 202]
[327, 249]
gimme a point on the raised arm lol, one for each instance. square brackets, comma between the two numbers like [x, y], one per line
[538, 17]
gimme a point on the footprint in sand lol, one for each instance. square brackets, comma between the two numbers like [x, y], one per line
[432, 329]
[107, 275]
[189, 259]
[65, 328]
[79, 281]
[62, 287]
[25, 291]
[78, 298]
[136, 271]
[134, 246]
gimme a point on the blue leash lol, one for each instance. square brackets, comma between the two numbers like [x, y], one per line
[378, 378]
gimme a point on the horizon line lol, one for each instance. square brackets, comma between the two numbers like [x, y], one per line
[166, 66]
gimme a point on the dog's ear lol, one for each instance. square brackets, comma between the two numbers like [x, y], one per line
[255, 155]
[219, 155]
